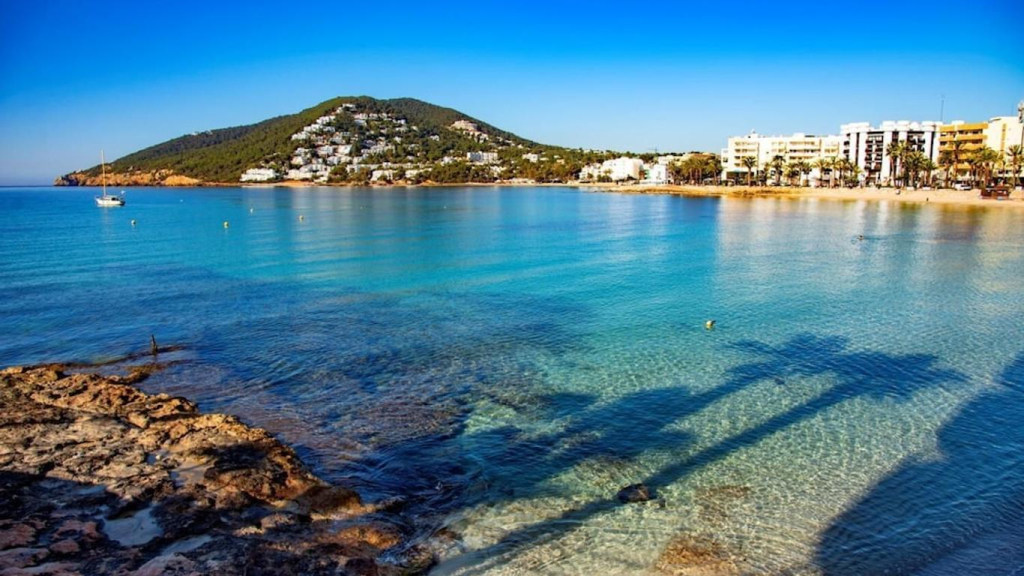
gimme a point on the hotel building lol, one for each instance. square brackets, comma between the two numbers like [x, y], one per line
[865, 145]
[998, 133]
[796, 148]
[973, 136]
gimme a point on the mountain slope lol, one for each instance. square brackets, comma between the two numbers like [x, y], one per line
[221, 156]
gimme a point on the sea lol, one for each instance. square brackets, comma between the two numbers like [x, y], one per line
[505, 360]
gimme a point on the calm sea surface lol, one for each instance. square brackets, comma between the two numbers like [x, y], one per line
[508, 359]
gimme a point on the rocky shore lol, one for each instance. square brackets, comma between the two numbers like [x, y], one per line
[97, 477]
[136, 178]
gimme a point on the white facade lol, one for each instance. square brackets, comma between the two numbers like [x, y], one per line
[798, 147]
[1003, 132]
[865, 145]
[618, 169]
[482, 157]
[259, 175]
[656, 174]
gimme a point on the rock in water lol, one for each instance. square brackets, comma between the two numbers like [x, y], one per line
[635, 493]
[117, 481]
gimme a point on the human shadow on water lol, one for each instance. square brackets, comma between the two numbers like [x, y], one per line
[962, 513]
[856, 373]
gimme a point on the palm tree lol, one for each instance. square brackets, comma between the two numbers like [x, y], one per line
[987, 159]
[1015, 153]
[956, 150]
[750, 163]
[946, 161]
[804, 169]
[777, 163]
[793, 173]
[913, 164]
[973, 168]
[822, 164]
[894, 151]
[843, 166]
[929, 169]
[855, 171]
[918, 158]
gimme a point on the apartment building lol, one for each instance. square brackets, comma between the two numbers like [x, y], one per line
[971, 136]
[865, 145]
[1003, 132]
[798, 147]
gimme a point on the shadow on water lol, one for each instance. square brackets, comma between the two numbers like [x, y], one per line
[636, 422]
[963, 513]
[374, 390]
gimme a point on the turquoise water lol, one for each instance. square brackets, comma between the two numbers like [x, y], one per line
[508, 359]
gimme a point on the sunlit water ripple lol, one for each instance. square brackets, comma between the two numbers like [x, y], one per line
[508, 359]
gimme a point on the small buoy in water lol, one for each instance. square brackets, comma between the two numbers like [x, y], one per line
[133, 221]
[251, 210]
[860, 237]
[226, 225]
[301, 217]
[709, 324]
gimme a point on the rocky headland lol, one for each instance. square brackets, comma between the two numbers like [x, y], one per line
[135, 178]
[97, 477]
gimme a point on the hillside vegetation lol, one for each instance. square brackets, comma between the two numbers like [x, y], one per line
[404, 138]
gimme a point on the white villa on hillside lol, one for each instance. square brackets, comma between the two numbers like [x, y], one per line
[259, 175]
[482, 157]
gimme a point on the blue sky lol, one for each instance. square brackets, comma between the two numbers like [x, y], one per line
[76, 77]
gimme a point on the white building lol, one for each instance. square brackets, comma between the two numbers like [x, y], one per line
[531, 157]
[1003, 132]
[798, 147]
[482, 157]
[299, 175]
[618, 169]
[656, 174]
[259, 175]
[865, 145]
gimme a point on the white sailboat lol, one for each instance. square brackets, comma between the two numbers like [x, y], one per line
[107, 200]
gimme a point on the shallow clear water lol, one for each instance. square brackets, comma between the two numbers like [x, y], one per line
[508, 359]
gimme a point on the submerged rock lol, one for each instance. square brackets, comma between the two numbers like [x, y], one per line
[635, 493]
[102, 478]
[689, 555]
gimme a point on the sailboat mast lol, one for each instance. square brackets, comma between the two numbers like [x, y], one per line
[103, 170]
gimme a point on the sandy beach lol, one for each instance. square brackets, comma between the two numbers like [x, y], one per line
[935, 196]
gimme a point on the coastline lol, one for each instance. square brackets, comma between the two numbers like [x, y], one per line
[99, 477]
[936, 196]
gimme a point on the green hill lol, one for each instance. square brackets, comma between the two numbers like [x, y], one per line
[223, 155]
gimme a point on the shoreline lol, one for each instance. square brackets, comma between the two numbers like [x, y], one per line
[935, 196]
[100, 477]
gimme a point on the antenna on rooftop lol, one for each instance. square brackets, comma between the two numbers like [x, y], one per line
[942, 109]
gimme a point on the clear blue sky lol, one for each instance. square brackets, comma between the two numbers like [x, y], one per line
[76, 77]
